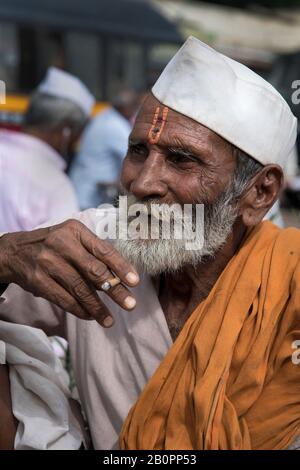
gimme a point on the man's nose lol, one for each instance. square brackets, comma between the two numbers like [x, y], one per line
[149, 182]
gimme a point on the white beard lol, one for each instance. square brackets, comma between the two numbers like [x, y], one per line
[157, 256]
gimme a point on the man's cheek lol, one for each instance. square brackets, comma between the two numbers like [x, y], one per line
[187, 191]
[204, 190]
[212, 182]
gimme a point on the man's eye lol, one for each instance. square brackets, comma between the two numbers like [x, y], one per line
[136, 150]
[178, 159]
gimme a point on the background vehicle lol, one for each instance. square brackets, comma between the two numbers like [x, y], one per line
[107, 43]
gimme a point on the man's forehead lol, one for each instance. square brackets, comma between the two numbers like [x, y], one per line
[176, 125]
[149, 108]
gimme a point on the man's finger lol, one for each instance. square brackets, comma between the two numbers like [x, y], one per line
[85, 295]
[97, 273]
[105, 252]
[122, 296]
[53, 292]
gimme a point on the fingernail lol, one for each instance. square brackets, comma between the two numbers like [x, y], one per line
[108, 322]
[132, 278]
[129, 302]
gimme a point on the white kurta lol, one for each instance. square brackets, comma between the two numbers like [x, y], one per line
[111, 366]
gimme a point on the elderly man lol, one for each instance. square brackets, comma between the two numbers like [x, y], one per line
[34, 186]
[204, 361]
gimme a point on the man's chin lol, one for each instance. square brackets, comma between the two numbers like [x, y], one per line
[156, 257]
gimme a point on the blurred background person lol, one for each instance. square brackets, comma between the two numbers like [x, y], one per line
[34, 186]
[96, 167]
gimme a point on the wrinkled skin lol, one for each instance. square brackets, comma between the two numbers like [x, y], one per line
[152, 171]
[163, 171]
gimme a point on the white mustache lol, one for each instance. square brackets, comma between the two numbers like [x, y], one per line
[154, 208]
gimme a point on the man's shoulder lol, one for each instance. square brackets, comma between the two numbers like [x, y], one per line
[95, 219]
[99, 220]
[291, 235]
[284, 244]
[10, 148]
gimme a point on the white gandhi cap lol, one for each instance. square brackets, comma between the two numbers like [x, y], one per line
[229, 99]
[64, 85]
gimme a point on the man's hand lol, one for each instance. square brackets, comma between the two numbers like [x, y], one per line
[66, 264]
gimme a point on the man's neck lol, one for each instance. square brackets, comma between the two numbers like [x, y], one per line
[180, 293]
[48, 138]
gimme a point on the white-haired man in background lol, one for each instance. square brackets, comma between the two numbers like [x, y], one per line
[34, 186]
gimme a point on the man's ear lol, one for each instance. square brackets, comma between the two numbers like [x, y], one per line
[262, 193]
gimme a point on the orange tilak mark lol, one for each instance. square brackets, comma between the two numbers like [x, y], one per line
[158, 125]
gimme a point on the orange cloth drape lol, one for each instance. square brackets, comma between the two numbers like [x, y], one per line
[228, 381]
